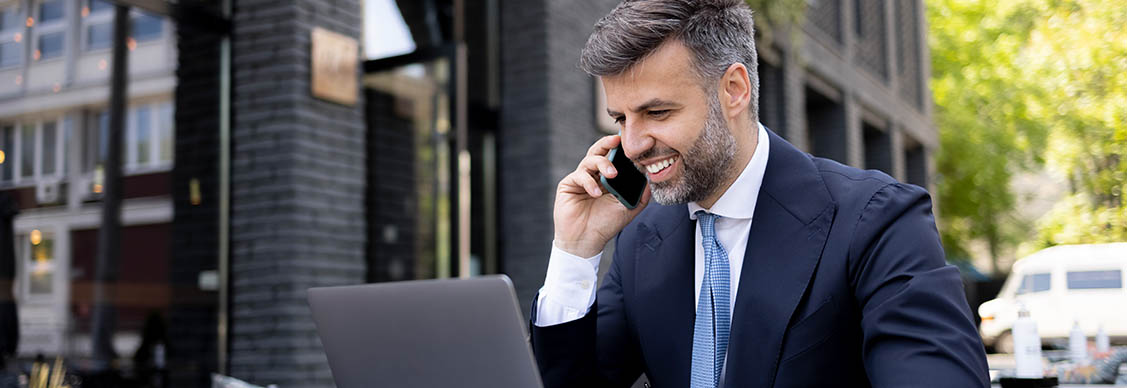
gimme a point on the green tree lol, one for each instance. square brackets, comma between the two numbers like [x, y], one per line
[1024, 84]
[987, 129]
[1079, 52]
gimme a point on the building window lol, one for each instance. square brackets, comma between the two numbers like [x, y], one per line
[50, 30]
[51, 11]
[39, 259]
[27, 151]
[98, 28]
[11, 36]
[142, 137]
[97, 17]
[146, 26]
[96, 141]
[49, 136]
[166, 130]
[149, 138]
[10, 18]
[51, 45]
[10, 54]
[99, 36]
[96, 6]
[32, 151]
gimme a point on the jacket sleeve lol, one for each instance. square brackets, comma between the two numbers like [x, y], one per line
[917, 328]
[598, 350]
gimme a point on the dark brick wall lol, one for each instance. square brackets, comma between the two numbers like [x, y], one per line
[298, 189]
[547, 124]
[194, 238]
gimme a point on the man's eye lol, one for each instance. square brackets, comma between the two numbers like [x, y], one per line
[657, 114]
[619, 120]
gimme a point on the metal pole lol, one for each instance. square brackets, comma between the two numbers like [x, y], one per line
[222, 333]
[109, 235]
[461, 140]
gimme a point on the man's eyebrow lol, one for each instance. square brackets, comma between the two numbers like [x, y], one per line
[652, 103]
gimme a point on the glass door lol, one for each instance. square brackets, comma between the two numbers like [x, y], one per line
[412, 168]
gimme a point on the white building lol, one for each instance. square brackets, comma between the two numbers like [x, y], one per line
[55, 65]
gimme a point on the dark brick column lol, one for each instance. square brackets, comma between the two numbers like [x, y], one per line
[192, 328]
[547, 124]
[297, 189]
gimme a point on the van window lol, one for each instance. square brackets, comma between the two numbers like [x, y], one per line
[1034, 283]
[1082, 280]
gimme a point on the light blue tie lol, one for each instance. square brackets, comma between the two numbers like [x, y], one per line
[710, 334]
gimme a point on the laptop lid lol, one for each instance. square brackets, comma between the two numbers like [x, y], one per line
[425, 333]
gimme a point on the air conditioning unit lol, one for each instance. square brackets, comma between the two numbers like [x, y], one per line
[47, 192]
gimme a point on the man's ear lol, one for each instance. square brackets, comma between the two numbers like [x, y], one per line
[735, 90]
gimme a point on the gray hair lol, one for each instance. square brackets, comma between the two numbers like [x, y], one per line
[718, 33]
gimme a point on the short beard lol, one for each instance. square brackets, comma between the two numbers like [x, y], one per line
[706, 164]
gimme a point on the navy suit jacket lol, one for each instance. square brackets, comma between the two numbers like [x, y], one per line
[843, 284]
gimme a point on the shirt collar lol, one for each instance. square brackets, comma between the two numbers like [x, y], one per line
[740, 198]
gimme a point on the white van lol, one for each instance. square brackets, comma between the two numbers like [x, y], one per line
[1060, 285]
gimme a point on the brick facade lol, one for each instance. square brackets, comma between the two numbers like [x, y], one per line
[297, 189]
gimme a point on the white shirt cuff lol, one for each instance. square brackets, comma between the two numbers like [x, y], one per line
[569, 288]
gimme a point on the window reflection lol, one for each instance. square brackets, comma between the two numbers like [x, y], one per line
[413, 193]
[40, 263]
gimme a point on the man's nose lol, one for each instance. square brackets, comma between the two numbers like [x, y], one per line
[635, 140]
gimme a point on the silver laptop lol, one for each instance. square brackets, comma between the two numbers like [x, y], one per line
[425, 333]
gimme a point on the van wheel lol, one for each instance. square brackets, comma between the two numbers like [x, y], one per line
[1004, 343]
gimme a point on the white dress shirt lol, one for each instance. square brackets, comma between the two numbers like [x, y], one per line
[569, 287]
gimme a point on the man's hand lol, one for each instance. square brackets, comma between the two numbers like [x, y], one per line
[585, 218]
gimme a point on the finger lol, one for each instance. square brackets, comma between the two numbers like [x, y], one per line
[580, 183]
[604, 145]
[589, 184]
[600, 164]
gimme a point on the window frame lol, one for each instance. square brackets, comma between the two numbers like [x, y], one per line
[14, 153]
[130, 164]
[9, 35]
[106, 16]
[27, 263]
[137, 14]
[91, 19]
[40, 29]
[154, 163]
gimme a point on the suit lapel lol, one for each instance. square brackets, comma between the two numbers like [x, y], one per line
[664, 276]
[792, 218]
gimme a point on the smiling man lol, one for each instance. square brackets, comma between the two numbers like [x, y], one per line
[758, 265]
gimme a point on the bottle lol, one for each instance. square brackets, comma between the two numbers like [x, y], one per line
[1027, 346]
[1077, 345]
[1103, 344]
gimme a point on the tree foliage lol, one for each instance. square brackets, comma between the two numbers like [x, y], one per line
[1079, 52]
[1020, 85]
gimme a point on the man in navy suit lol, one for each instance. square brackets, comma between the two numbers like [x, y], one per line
[759, 265]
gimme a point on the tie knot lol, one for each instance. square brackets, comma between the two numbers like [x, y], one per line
[707, 223]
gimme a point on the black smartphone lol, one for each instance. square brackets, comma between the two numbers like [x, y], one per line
[629, 184]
